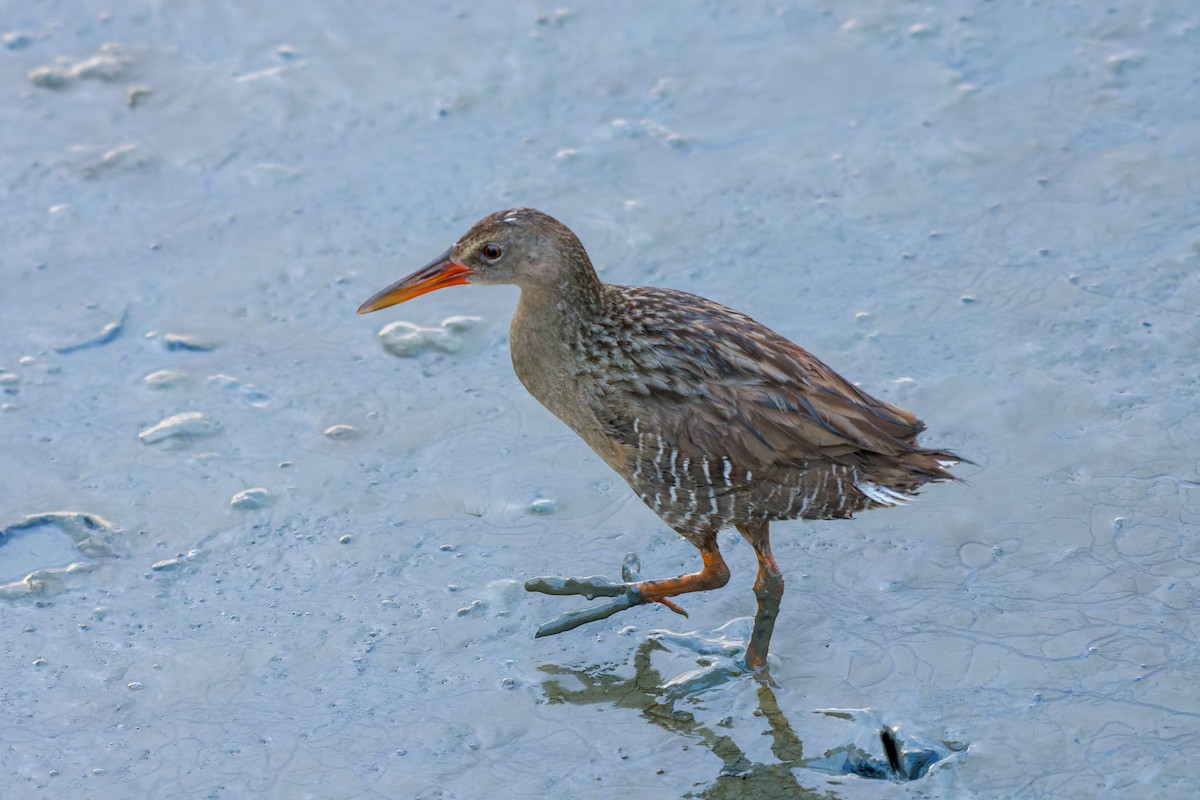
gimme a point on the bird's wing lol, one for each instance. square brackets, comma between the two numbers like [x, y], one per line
[712, 381]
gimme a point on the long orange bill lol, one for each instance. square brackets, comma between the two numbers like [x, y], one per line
[437, 274]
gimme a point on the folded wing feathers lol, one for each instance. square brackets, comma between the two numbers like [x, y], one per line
[725, 384]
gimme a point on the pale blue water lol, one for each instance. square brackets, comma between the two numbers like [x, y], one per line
[984, 212]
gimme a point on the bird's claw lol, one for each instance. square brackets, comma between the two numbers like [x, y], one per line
[671, 604]
[625, 594]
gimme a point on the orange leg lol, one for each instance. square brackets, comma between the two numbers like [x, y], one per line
[630, 592]
[714, 575]
[768, 588]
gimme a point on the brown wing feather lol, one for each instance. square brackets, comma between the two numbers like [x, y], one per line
[717, 382]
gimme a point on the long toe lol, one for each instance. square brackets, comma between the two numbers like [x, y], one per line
[573, 619]
[590, 587]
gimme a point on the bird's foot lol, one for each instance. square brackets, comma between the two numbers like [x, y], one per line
[625, 593]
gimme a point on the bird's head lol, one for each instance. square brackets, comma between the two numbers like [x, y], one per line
[521, 246]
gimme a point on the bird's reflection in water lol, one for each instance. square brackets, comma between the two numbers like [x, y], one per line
[741, 776]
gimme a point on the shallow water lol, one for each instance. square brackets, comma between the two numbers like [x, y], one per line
[292, 553]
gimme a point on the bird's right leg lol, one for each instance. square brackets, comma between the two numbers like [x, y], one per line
[630, 592]
[768, 588]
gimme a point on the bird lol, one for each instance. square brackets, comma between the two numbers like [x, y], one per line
[712, 418]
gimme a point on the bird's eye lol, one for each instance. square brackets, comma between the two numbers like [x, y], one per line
[492, 251]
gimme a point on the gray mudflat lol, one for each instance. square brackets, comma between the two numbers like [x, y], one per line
[251, 548]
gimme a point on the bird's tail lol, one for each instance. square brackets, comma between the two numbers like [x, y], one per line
[933, 465]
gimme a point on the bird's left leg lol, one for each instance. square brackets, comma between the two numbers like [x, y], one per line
[768, 588]
[631, 591]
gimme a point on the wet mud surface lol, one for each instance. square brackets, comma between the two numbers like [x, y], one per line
[253, 544]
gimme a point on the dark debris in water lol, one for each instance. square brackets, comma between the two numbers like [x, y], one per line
[896, 763]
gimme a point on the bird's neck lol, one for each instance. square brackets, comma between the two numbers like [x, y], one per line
[565, 306]
[548, 338]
